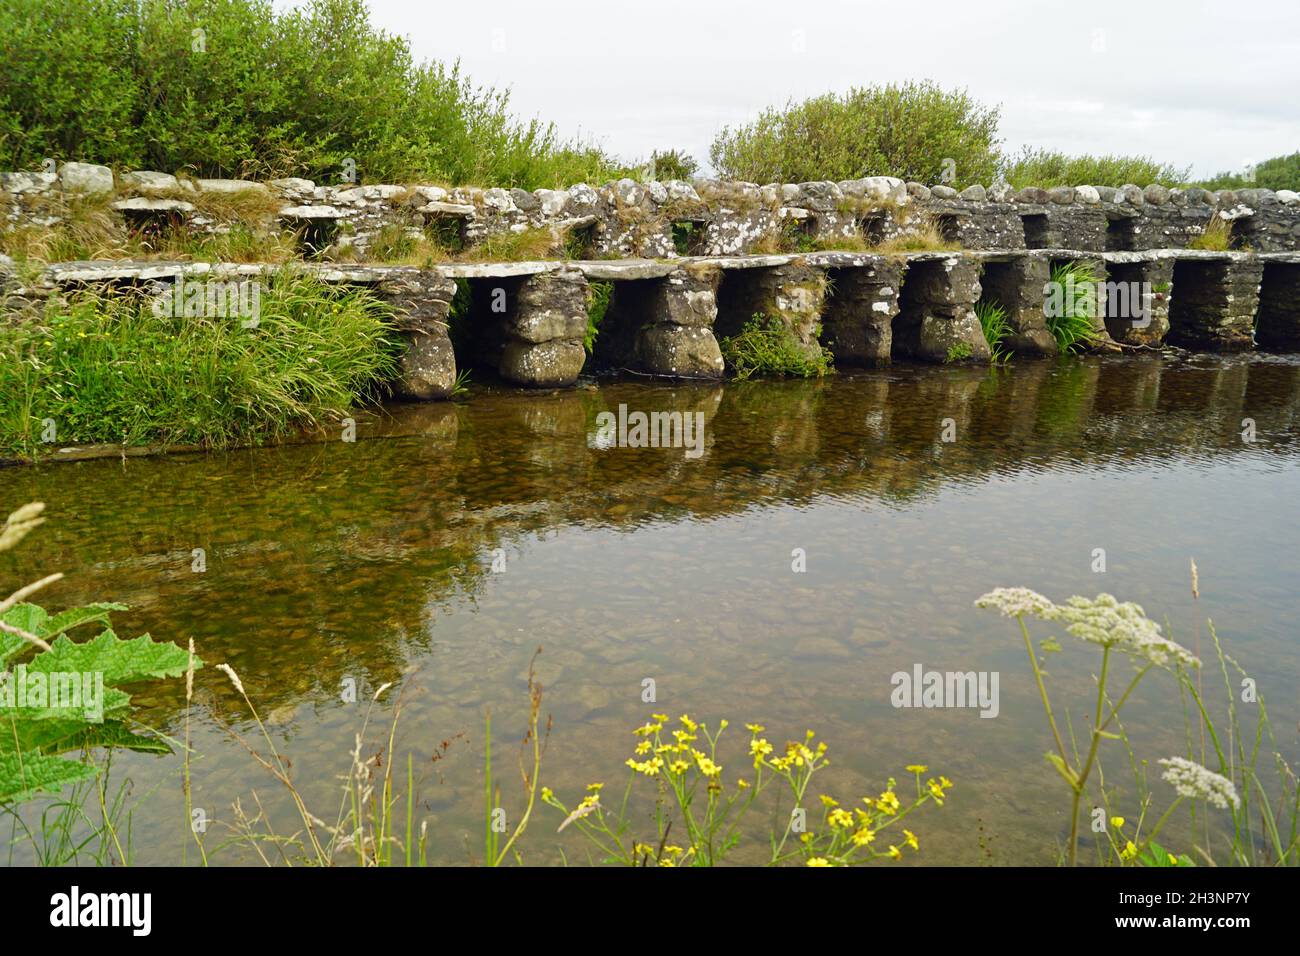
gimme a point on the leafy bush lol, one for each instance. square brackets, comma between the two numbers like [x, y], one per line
[673, 164]
[767, 346]
[1042, 167]
[1280, 172]
[107, 369]
[907, 130]
[233, 87]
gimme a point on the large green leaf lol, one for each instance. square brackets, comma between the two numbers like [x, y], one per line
[24, 775]
[36, 620]
[114, 703]
[67, 735]
[121, 662]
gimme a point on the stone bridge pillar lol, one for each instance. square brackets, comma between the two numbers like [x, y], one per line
[792, 293]
[1017, 284]
[1215, 304]
[857, 322]
[1137, 306]
[543, 330]
[936, 320]
[677, 340]
[427, 368]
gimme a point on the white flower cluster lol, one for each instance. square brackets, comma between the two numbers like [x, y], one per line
[1101, 620]
[1013, 602]
[1190, 779]
[1123, 626]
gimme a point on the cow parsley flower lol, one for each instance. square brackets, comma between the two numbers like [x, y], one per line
[1190, 779]
[1013, 602]
[1122, 625]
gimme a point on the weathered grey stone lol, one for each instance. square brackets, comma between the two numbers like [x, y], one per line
[21, 183]
[1033, 195]
[1000, 192]
[1061, 195]
[1108, 193]
[86, 178]
[427, 369]
[145, 206]
[974, 193]
[936, 320]
[943, 192]
[821, 196]
[1155, 194]
[681, 191]
[857, 318]
[679, 351]
[582, 200]
[431, 193]
[543, 364]
[1132, 195]
[1214, 303]
[312, 212]
[229, 186]
[1017, 285]
[498, 201]
[1087, 195]
[918, 191]
[1288, 197]
[148, 181]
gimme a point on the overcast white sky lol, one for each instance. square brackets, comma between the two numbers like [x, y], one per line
[1211, 83]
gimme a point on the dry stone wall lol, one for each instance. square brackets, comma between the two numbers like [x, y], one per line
[629, 219]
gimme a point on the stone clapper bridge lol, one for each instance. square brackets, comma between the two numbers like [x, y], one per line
[683, 270]
[528, 319]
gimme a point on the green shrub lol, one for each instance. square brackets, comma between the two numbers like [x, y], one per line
[1073, 306]
[673, 164]
[107, 369]
[766, 346]
[905, 130]
[1280, 172]
[1045, 168]
[233, 87]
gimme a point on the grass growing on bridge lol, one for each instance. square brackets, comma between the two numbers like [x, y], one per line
[106, 368]
[766, 346]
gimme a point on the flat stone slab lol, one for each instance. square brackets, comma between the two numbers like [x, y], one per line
[143, 204]
[312, 213]
[604, 270]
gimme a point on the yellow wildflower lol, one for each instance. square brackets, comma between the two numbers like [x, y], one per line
[916, 768]
[863, 836]
[755, 728]
[895, 852]
[829, 801]
[840, 819]
[1117, 822]
[888, 803]
[818, 861]
[1130, 850]
[911, 840]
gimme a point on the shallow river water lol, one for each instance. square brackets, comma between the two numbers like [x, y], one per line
[373, 560]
